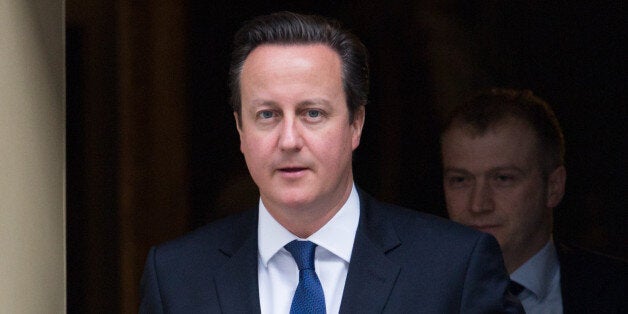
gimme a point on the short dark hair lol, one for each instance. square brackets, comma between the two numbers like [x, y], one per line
[486, 109]
[287, 28]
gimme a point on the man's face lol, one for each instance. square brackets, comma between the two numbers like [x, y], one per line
[493, 182]
[295, 133]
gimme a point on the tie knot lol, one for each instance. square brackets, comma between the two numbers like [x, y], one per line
[303, 253]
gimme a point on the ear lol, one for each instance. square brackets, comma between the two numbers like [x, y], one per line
[556, 186]
[358, 123]
[238, 123]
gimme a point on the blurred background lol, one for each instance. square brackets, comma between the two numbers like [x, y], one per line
[152, 150]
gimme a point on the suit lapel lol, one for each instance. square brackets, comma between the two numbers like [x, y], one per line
[236, 283]
[371, 275]
[370, 279]
[572, 293]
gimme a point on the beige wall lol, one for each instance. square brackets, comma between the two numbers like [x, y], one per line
[32, 156]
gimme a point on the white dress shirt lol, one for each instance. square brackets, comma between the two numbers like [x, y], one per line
[540, 276]
[277, 271]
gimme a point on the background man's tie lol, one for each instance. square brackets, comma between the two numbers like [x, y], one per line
[515, 288]
[309, 297]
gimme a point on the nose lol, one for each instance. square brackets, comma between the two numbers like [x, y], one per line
[290, 137]
[481, 198]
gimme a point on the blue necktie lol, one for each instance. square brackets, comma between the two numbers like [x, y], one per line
[309, 297]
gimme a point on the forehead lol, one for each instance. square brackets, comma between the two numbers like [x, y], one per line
[285, 57]
[292, 74]
[509, 143]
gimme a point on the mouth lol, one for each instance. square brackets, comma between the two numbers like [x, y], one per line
[485, 228]
[292, 169]
[292, 172]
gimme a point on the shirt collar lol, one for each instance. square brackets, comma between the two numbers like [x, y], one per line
[540, 270]
[336, 236]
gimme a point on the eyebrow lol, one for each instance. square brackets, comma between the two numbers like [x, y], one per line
[315, 101]
[507, 168]
[450, 169]
[301, 104]
[491, 170]
[259, 103]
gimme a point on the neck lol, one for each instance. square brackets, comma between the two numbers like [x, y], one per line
[306, 219]
[303, 228]
[514, 260]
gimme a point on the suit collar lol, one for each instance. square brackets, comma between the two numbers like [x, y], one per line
[375, 223]
[572, 289]
[236, 283]
[371, 275]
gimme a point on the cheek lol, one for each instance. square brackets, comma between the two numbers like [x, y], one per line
[535, 206]
[522, 205]
[255, 150]
[456, 204]
[331, 146]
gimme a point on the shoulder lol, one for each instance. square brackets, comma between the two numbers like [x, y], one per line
[210, 241]
[592, 281]
[579, 261]
[177, 273]
[412, 224]
[419, 233]
[440, 262]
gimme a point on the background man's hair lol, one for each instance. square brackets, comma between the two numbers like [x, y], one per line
[488, 108]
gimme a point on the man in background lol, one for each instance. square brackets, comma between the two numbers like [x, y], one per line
[316, 243]
[503, 174]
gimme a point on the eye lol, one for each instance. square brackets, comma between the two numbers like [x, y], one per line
[265, 114]
[457, 181]
[313, 113]
[504, 180]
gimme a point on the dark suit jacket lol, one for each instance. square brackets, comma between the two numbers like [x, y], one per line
[591, 282]
[402, 262]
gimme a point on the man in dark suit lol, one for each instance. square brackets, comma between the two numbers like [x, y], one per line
[503, 166]
[316, 243]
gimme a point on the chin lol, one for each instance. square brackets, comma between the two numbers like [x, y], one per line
[293, 201]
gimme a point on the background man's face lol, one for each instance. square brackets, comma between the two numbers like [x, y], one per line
[295, 133]
[493, 182]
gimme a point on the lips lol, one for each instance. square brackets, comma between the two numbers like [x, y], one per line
[292, 169]
[292, 172]
[485, 227]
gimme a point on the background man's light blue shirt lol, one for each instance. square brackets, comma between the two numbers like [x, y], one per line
[540, 276]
